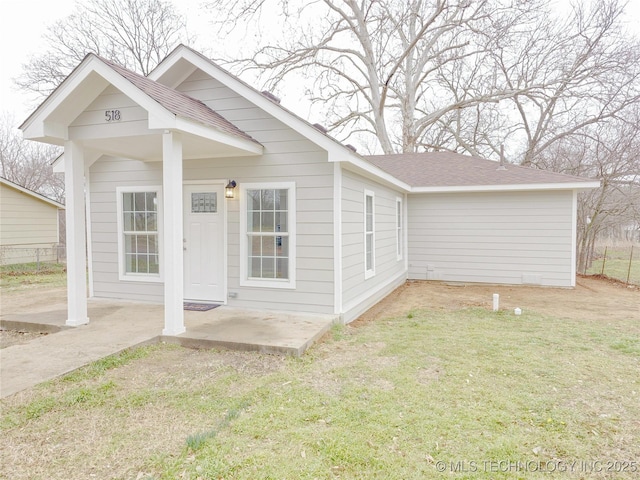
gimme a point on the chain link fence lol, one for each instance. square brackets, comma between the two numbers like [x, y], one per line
[618, 262]
[33, 258]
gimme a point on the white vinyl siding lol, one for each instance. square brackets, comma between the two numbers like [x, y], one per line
[360, 291]
[288, 157]
[268, 248]
[506, 237]
[93, 122]
[107, 175]
[369, 234]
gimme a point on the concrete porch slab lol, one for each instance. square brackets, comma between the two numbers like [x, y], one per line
[253, 330]
[115, 326]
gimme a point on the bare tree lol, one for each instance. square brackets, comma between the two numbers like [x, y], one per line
[136, 34]
[28, 163]
[570, 74]
[466, 75]
[606, 151]
[385, 68]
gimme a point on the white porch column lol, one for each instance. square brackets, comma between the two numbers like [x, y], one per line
[173, 245]
[76, 229]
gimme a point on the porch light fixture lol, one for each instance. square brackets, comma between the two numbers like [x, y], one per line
[228, 190]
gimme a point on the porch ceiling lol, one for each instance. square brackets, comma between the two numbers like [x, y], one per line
[148, 147]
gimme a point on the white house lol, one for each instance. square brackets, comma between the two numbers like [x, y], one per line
[28, 225]
[310, 225]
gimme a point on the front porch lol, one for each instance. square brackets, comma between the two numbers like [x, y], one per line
[118, 325]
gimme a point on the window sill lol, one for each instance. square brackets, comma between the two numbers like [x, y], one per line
[283, 284]
[140, 278]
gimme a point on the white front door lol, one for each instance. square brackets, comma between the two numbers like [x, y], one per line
[204, 242]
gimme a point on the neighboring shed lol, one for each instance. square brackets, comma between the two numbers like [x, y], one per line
[474, 220]
[28, 225]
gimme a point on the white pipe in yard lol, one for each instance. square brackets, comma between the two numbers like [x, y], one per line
[496, 302]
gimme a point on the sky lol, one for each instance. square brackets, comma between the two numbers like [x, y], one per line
[23, 22]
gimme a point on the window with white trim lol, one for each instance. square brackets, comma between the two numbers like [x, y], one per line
[139, 219]
[399, 228]
[369, 234]
[268, 230]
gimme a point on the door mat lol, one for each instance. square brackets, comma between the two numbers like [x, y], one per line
[199, 307]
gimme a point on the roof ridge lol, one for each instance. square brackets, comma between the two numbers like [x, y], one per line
[190, 108]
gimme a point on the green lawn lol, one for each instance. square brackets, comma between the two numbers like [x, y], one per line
[468, 392]
[24, 275]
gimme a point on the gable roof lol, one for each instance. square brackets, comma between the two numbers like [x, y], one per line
[167, 108]
[179, 103]
[36, 195]
[167, 70]
[448, 171]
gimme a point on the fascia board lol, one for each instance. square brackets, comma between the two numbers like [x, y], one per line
[37, 126]
[509, 188]
[31, 193]
[364, 168]
[255, 97]
[194, 128]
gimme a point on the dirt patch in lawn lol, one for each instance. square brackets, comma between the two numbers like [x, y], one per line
[591, 299]
[13, 337]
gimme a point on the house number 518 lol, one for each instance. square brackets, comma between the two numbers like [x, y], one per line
[112, 115]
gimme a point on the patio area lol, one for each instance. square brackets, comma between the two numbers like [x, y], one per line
[117, 325]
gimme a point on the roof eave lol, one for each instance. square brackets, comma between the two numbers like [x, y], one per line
[31, 193]
[336, 151]
[578, 186]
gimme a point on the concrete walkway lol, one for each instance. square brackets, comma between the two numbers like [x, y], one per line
[117, 326]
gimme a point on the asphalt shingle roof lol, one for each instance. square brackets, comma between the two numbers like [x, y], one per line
[178, 103]
[448, 169]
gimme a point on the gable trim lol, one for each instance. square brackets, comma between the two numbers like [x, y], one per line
[31, 193]
[508, 188]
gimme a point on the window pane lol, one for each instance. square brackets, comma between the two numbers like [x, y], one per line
[143, 264]
[268, 246]
[129, 245]
[152, 204]
[154, 264]
[153, 244]
[152, 222]
[130, 263]
[142, 243]
[268, 222]
[281, 222]
[127, 202]
[282, 246]
[267, 199]
[267, 214]
[253, 222]
[128, 222]
[139, 202]
[255, 269]
[369, 251]
[253, 199]
[281, 200]
[140, 224]
[268, 267]
[206, 202]
[282, 268]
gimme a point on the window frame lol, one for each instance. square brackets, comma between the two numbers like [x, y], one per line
[399, 229]
[245, 279]
[369, 272]
[123, 275]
